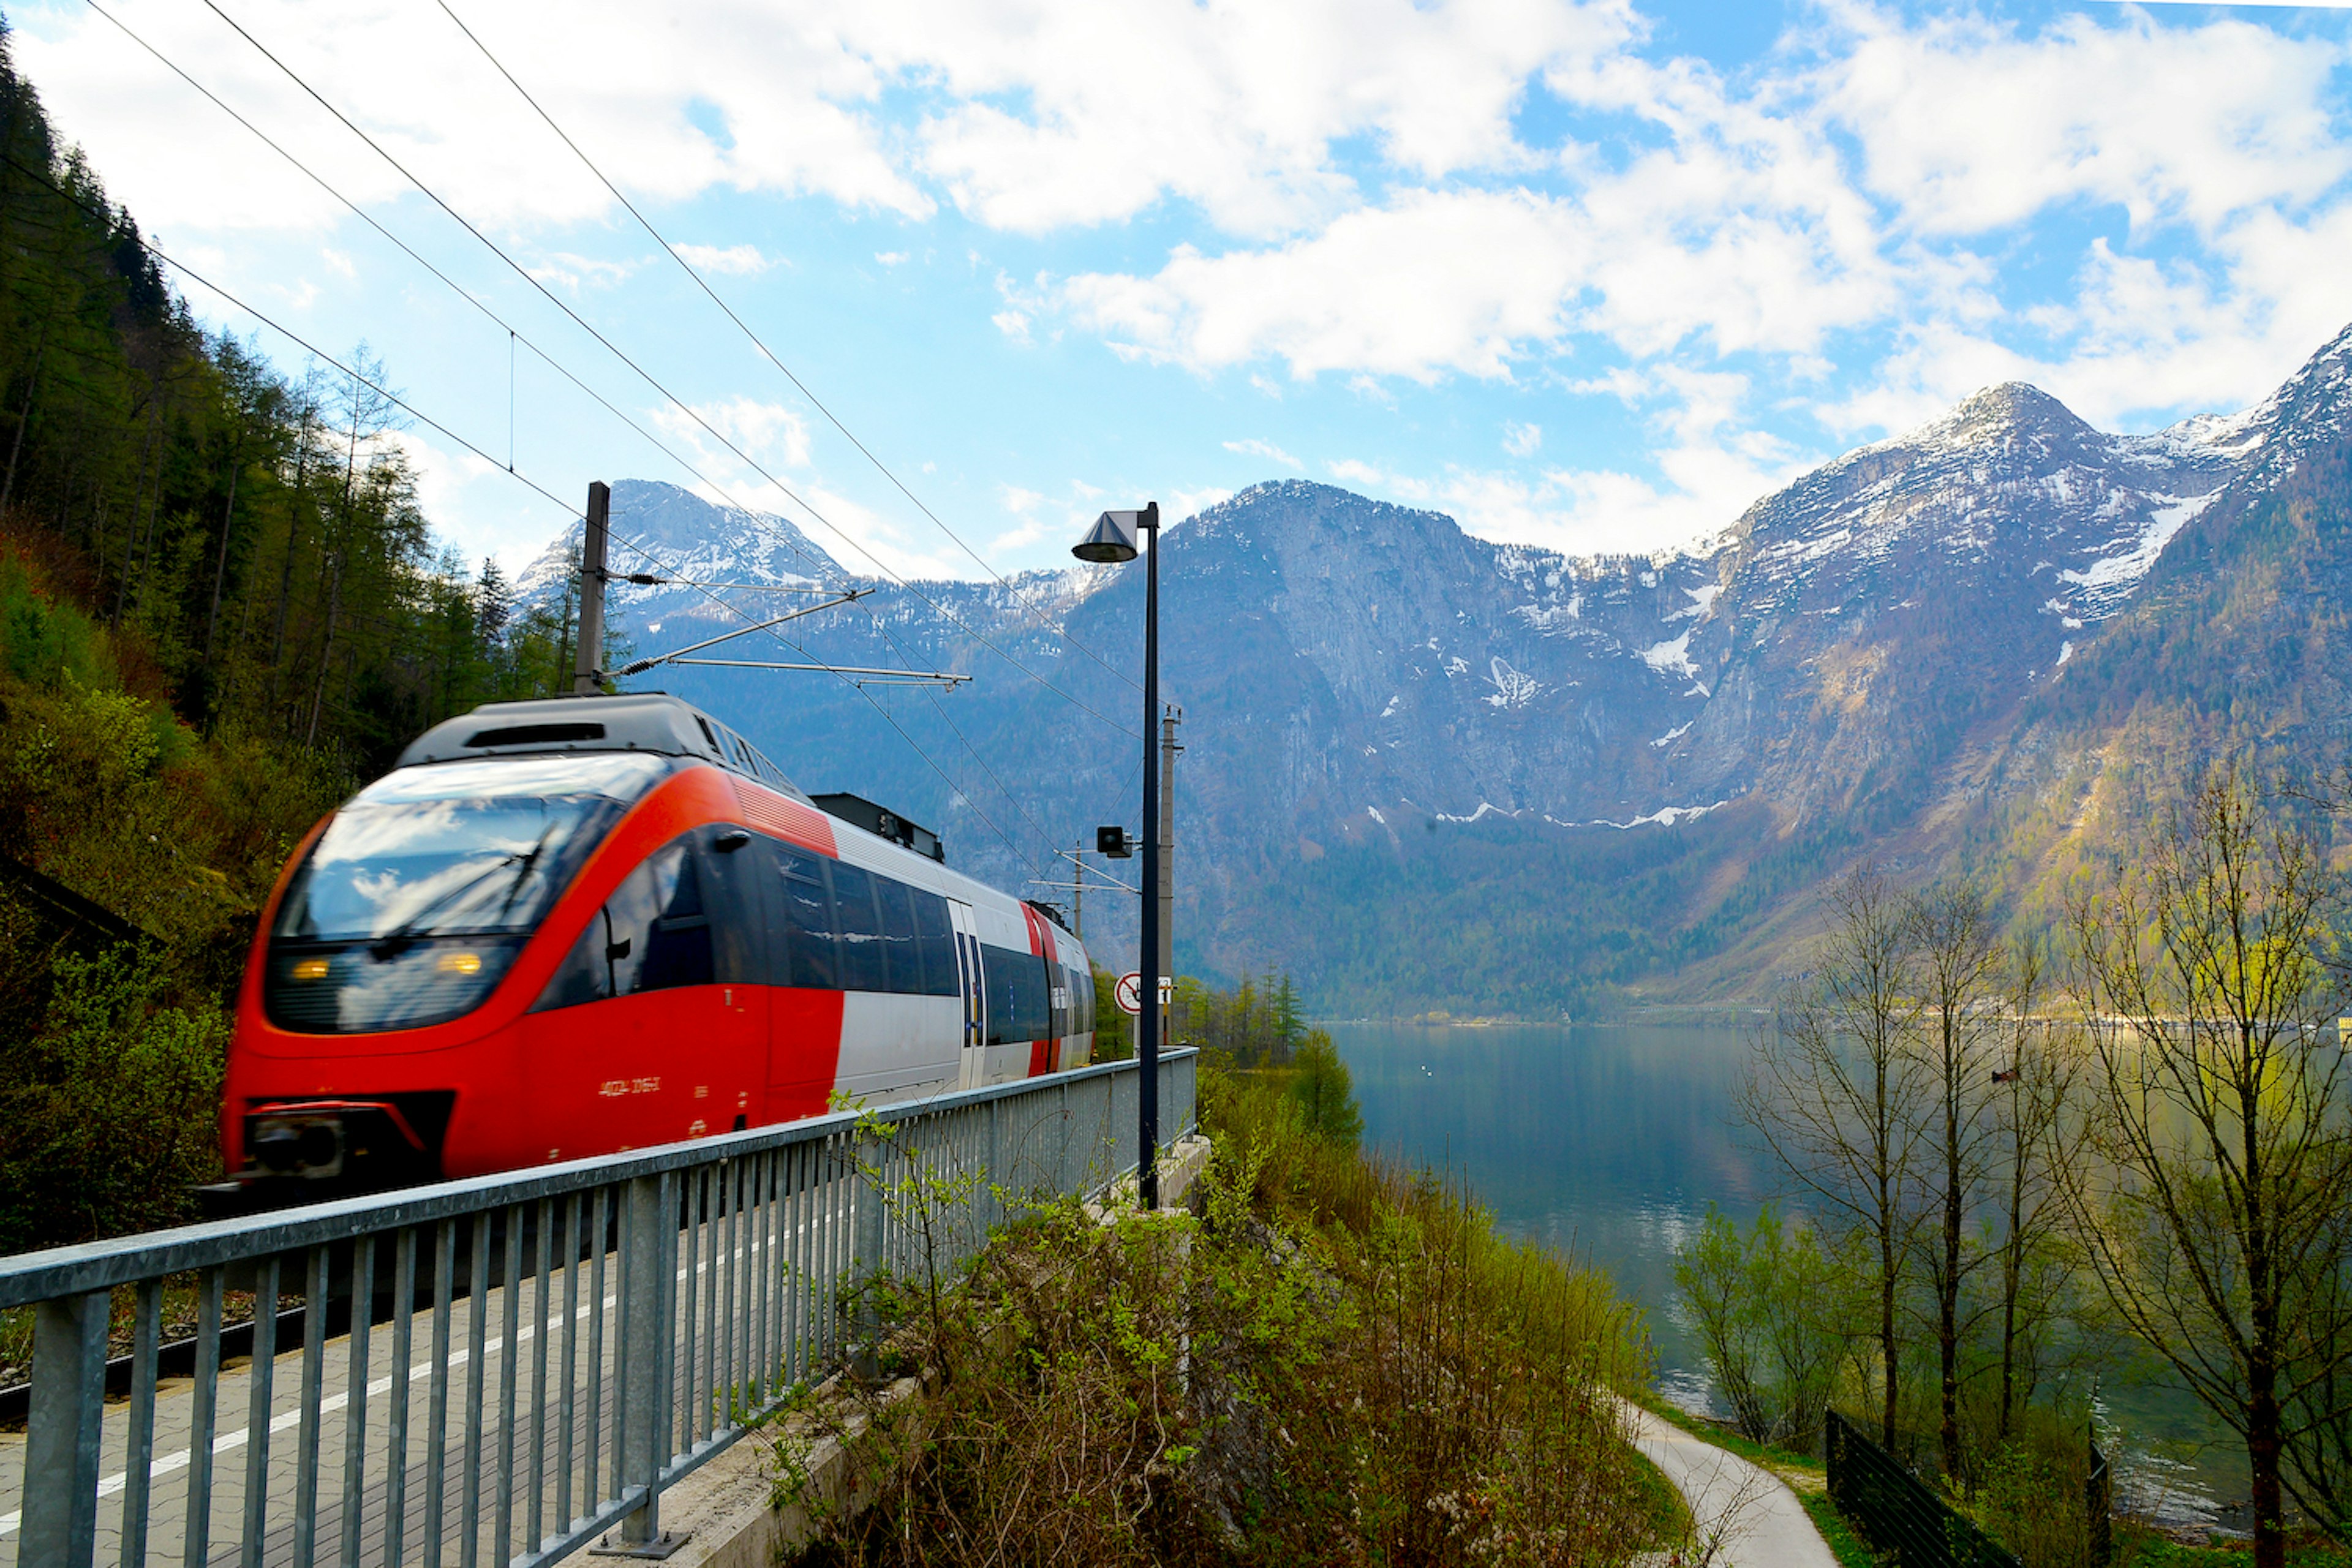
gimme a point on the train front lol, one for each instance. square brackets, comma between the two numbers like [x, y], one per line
[376, 1029]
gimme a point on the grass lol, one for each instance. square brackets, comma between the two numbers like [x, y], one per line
[1662, 1503]
[178, 1322]
[1805, 1473]
[2139, 1547]
[1844, 1545]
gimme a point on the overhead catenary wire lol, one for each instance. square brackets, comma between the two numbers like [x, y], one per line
[650, 380]
[514, 336]
[768, 354]
[399, 402]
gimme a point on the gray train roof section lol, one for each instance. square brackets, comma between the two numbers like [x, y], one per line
[633, 722]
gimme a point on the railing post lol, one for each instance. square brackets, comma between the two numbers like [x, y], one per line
[866, 1260]
[996, 1181]
[67, 1411]
[641, 1372]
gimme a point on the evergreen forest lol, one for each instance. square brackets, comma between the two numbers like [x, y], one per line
[221, 606]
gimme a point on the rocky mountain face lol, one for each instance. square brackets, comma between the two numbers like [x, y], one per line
[1374, 700]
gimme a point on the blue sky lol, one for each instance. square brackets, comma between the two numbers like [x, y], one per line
[1590, 276]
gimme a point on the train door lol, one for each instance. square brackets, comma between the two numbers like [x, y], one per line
[972, 1047]
[1057, 1003]
[655, 1026]
[1045, 1008]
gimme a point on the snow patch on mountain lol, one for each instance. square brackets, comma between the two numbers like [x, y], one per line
[1671, 657]
[1513, 688]
[1702, 600]
[2107, 580]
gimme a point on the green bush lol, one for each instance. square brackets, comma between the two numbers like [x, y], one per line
[107, 1109]
[1331, 1362]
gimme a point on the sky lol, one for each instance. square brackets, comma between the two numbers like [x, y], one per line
[1589, 276]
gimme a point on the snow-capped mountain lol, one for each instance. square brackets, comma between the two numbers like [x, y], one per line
[1363, 681]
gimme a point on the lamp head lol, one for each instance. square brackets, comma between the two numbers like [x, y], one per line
[1112, 540]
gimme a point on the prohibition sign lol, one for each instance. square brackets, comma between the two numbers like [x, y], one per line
[1129, 992]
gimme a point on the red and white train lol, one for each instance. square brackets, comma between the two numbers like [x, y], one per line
[574, 927]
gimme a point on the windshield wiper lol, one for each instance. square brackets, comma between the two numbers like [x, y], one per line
[399, 939]
[522, 871]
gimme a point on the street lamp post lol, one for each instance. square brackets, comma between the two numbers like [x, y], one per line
[1115, 540]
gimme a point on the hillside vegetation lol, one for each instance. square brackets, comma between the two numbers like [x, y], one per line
[220, 606]
[1330, 1361]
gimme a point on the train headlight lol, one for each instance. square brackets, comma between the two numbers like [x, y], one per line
[309, 969]
[461, 963]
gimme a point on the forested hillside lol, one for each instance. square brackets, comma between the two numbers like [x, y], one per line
[220, 606]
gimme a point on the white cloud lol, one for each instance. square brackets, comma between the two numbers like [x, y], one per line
[574, 273]
[770, 434]
[1254, 447]
[1186, 503]
[742, 260]
[1709, 471]
[792, 91]
[1969, 124]
[1437, 282]
[479, 509]
[1046, 123]
[2139, 212]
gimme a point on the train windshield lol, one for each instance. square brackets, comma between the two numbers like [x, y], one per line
[412, 904]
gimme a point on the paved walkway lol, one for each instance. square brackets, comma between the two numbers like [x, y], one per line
[1745, 1516]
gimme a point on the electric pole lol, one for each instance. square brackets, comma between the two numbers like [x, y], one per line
[588, 664]
[1169, 752]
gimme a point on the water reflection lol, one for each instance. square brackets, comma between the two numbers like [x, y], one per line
[1609, 1143]
[1606, 1143]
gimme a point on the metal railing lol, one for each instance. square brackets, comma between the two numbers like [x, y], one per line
[1895, 1512]
[563, 1343]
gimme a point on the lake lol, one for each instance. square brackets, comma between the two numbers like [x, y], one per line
[1608, 1143]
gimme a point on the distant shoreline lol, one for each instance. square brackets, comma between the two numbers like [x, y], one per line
[1718, 1016]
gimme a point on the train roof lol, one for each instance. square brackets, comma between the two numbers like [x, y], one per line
[632, 721]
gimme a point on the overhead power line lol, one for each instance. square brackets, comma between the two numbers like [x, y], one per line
[622, 417]
[646, 376]
[514, 335]
[405, 407]
[769, 354]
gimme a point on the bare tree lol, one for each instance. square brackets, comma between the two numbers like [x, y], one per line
[1835, 1092]
[1959, 963]
[2036, 1088]
[2214, 1196]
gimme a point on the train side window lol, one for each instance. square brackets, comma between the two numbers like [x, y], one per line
[936, 937]
[902, 965]
[1020, 1005]
[808, 959]
[858, 929]
[652, 934]
[732, 899]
